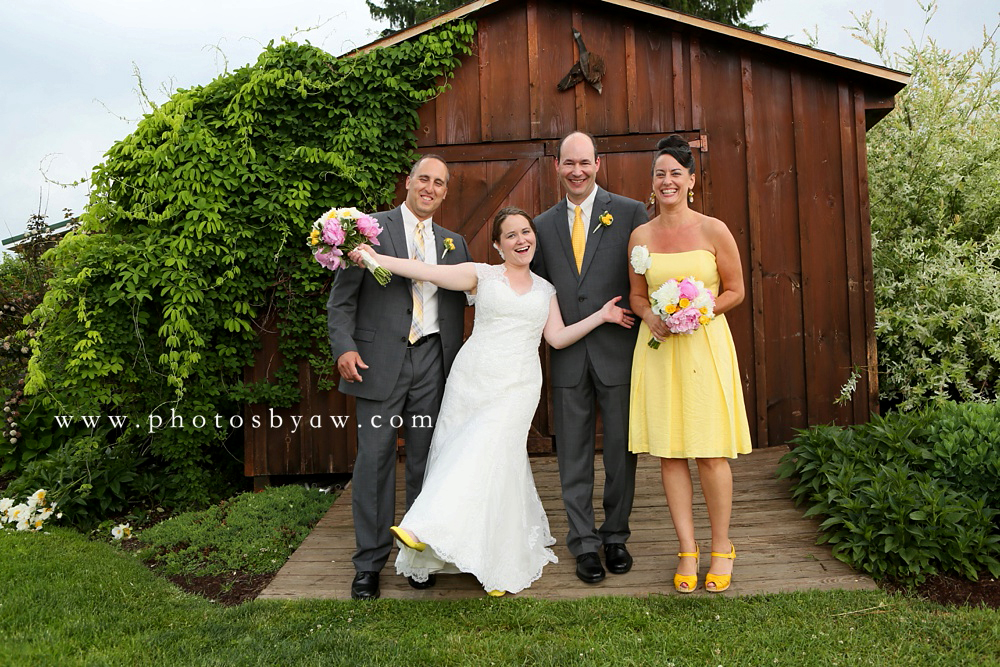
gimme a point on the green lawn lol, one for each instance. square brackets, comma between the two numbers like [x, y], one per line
[65, 600]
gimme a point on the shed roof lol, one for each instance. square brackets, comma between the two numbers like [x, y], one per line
[15, 240]
[859, 66]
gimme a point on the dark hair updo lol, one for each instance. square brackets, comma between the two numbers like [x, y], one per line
[505, 213]
[676, 147]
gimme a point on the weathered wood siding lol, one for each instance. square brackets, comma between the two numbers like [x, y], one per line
[780, 146]
[784, 142]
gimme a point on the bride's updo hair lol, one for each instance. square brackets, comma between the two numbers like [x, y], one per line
[676, 147]
[505, 213]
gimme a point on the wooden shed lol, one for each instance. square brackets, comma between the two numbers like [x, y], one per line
[779, 136]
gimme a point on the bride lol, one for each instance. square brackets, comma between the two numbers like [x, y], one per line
[479, 511]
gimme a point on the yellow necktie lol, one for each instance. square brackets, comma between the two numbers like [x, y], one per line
[578, 239]
[417, 287]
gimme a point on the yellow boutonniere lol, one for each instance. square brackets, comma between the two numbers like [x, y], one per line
[606, 219]
[449, 245]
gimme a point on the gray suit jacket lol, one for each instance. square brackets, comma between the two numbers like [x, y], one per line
[375, 321]
[604, 274]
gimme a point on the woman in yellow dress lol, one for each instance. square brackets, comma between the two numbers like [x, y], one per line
[686, 395]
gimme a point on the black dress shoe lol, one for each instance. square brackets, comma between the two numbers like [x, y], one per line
[421, 585]
[588, 568]
[617, 558]
[365, 586]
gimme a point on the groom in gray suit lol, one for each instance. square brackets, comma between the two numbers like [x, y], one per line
[394, 346]
[583, 251]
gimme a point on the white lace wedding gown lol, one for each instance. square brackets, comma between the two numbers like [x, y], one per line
[478, 511]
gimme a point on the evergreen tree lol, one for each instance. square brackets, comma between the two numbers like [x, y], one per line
[402, 14]
[732, 12]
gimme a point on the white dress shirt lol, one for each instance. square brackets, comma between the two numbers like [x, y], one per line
[430, 325]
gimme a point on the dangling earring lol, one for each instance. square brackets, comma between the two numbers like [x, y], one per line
[499, 251]
[690, 196]
[652, 198]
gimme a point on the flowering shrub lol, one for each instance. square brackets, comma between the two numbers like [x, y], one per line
[29, 515]
[935, 213]
[23, 279]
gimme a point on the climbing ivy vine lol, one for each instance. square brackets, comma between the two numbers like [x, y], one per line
[193, 240]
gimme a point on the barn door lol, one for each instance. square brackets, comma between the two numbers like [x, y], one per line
[488, 177]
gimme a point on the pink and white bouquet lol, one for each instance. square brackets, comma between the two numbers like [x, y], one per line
[341, 230]
[684, 304]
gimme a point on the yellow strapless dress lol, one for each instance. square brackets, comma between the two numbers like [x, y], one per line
[686, 396]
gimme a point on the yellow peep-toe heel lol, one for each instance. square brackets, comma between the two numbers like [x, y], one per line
[721, 581]
[407, 539]
[686, 583]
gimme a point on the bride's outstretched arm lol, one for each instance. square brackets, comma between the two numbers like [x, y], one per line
[558, 335]
[457, 277]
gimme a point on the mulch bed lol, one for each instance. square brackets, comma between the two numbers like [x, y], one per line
[952, 591]
[227, 589]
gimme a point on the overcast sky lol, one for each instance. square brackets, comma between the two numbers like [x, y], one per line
[68, 89]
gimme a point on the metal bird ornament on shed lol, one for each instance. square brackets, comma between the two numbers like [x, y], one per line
[590, 67]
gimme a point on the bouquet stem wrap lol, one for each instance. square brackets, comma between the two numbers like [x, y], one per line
[382, 275]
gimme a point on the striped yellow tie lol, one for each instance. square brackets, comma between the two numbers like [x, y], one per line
[417, 287]
[578, 238]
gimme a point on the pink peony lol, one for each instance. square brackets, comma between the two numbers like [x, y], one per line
[688, 289]
[333, 233]
[370, 228]
[331, 260]
[683, 321]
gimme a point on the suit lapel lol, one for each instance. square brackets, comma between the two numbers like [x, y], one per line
[594, 230]
[397, 235]
[562, 231]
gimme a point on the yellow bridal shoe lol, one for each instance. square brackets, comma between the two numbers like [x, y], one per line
[686, 583]
[407, 539]
[496, 594]
[721, 581]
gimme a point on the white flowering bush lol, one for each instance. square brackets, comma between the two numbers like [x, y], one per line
[934, 173]
[29, 515]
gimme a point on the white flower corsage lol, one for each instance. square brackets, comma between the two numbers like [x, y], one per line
[640, 259]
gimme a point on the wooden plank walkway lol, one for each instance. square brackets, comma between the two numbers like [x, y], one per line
[775, 545]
